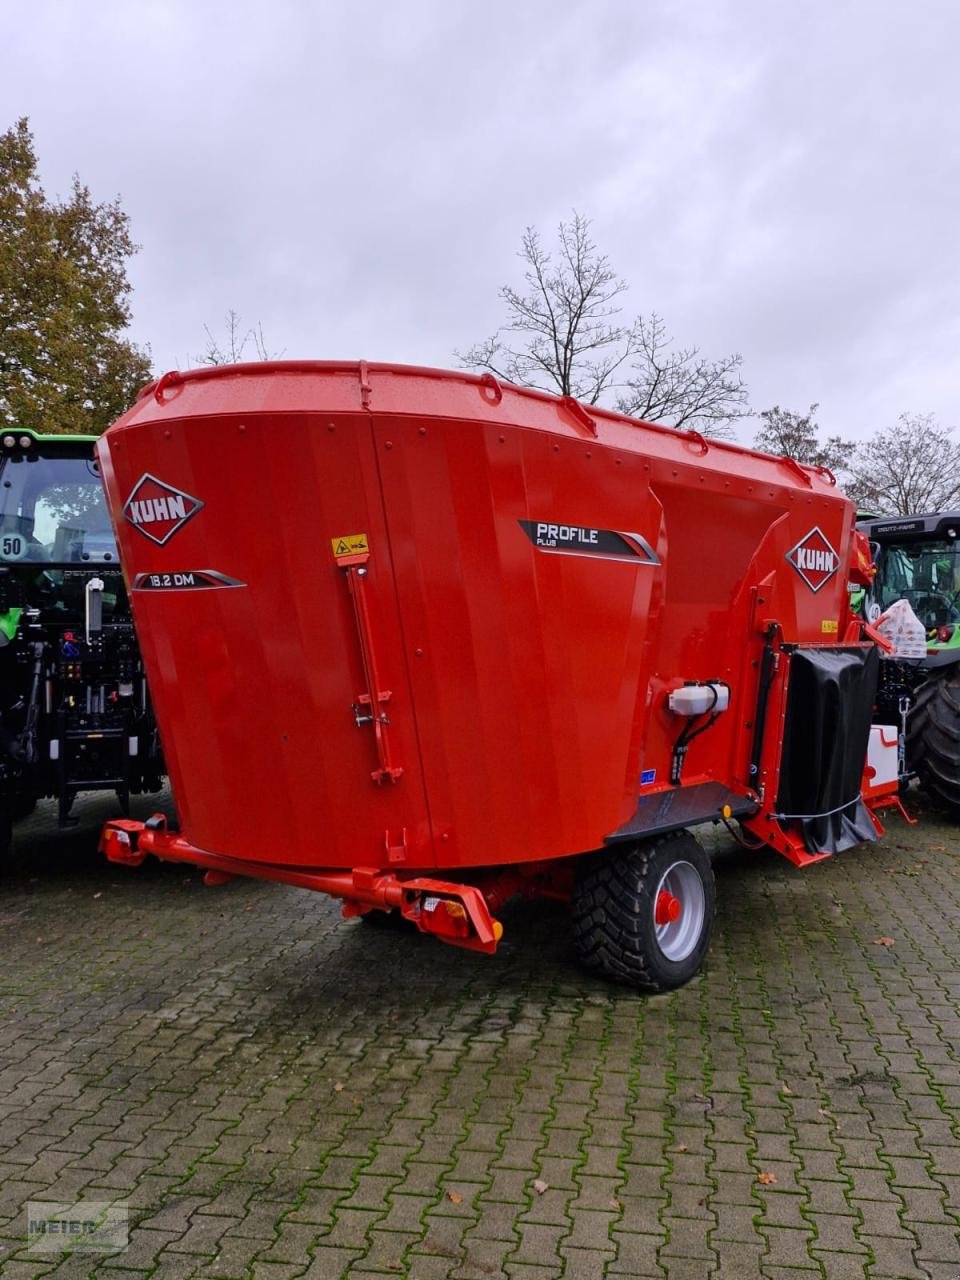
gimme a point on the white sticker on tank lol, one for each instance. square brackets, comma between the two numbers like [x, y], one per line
[13, 546]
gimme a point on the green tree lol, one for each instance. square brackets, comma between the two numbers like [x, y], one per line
[797, 436]
[565, 332]
[65, 365]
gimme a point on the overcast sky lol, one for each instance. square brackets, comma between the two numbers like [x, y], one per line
[776, 179]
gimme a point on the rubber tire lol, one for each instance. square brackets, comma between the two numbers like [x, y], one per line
[613, 926]
[933, 739]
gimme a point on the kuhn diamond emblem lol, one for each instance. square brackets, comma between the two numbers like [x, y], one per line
[814, 559]
[158, 510]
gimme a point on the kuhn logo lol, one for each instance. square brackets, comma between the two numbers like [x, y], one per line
[157, 510]
[814, 559]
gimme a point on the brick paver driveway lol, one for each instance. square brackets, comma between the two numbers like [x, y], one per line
[278, 1092]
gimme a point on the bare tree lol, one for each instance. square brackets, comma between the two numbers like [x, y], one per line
[680, 387]
[910, 467]
[564, 333]
[230, 349]
[797, 435]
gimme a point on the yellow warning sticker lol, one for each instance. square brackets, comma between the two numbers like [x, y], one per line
[829, 626]
[351, 544]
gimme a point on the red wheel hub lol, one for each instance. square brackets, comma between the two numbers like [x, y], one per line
[668, 909]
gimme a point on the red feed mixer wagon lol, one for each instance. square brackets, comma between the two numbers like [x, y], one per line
[425, 642]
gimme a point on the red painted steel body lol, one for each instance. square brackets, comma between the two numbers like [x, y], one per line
[510, 698]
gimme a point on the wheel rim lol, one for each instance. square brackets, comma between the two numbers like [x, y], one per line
[679, 908]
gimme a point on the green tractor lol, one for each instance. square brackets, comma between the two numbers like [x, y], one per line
[75, 712]
[918, 560]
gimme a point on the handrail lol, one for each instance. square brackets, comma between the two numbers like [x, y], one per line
[375, 697]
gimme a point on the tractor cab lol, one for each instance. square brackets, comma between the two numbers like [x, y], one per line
[53, 520]
[75, 714]
[918, 560]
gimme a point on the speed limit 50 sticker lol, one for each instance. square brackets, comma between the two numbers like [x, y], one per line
[13, 546]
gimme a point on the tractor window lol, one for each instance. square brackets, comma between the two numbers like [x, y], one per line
[926, 574]
[52, 511]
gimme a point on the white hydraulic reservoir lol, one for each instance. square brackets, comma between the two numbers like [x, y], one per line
[698, 699]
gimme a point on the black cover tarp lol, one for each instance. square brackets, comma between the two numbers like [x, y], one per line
[829, 707]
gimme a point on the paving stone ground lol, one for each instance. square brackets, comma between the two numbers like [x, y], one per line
[278, 1093]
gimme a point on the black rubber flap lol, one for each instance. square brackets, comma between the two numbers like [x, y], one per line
[827, 731]
[684, 807]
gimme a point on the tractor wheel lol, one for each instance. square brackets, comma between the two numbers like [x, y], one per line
[933, 740]
[644, 914]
